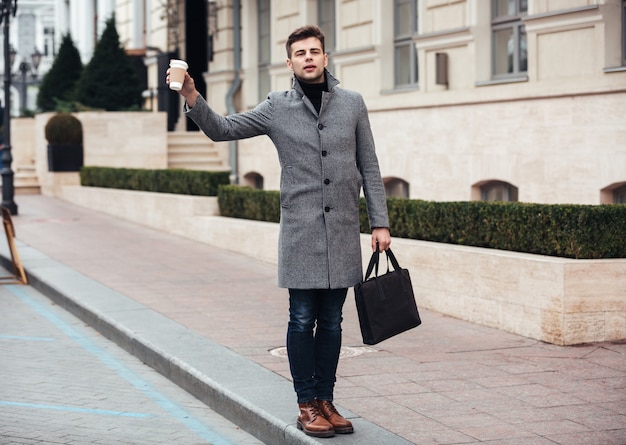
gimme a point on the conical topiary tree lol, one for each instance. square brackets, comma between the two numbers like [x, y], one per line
[59, 82]
[109, 81]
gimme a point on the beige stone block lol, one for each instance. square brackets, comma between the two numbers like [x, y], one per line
[349, 15]
[483, 311]
[227, 234]
[583, 327]
[286, 7]
[615, 328]
[521, 319]
[595, 285]
[552, 326]
[22, 141]
[362, 84]
[554, 63]
[358, 36]
[447, 16]
[542, 283]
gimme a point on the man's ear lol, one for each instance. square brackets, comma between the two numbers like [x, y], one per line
[289, 65]
[325, 60]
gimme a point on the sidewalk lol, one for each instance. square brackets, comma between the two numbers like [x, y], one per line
[214, 322]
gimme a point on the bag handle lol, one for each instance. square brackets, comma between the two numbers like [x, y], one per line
[373, 264]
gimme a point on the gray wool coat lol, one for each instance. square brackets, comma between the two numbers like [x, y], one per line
[325, 160]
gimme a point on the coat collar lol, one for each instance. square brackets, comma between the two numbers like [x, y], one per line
[330, 80]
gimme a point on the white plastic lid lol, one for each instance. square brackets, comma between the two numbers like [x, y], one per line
[175, 63]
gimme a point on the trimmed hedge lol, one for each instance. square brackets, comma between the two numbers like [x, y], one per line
[248, 203]
[178, 181]
[569, 231]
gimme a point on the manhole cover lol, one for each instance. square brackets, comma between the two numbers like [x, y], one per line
[346, 351]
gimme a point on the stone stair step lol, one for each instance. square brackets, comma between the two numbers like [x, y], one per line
[193, 151]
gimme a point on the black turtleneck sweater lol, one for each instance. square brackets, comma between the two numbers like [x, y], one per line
[314, 92]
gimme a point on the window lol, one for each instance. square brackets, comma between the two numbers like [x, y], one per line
[614, 193]
[619, 195]
[509, 44]
[623, 32]
[326, 21]
[396, 188]
[265, 48]
[405, 54]
[254, 180]
[498, 191]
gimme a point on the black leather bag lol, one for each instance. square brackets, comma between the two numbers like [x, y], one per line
[385, 304]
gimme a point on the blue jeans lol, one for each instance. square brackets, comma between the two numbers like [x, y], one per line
[313, 356]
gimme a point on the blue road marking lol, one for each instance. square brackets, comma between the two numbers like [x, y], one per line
[18, 337]
[73, 409]
[174, 410]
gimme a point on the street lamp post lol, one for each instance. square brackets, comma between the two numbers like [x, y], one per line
[8, 8]
[23, 81]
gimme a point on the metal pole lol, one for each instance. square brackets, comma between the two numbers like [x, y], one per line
[6, 172]
[23, 71]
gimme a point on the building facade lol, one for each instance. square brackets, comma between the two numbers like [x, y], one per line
[515, 100]
[31, 33]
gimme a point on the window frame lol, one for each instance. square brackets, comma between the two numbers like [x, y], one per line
[264, 33]
[623, 32]
[327, 21]
[508, 189]
[396, 187]
[619, 195]
[514, 22]
[400, 41]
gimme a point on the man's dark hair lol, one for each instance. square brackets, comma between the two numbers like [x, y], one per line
[304, 33]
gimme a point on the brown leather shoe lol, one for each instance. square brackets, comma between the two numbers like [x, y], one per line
[339, 423]
[312, 422]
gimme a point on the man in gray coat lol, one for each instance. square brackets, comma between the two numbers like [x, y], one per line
[326, 152]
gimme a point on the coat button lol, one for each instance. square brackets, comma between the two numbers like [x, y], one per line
[326, 181]
[320, 126]
[324, 152]
[327, 209]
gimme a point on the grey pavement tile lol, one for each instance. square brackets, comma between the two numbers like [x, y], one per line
[479, 397]
[427, 402]
[476, 419]
[442, 437]
[498, 432]
[498, 382]
[604, 422]
[612, 437]
[539, 395]
[556, 427]
[398, 389]
[616, 407]
[535, 440]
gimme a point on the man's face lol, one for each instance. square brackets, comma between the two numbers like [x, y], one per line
[308, 60]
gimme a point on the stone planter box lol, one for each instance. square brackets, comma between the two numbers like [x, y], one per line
[65, 157]
[556, 300]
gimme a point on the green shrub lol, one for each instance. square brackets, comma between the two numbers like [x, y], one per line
[178, 181]
[57, 85]
[569, 231]
[109, 81]
[248, 203]
[63, 128]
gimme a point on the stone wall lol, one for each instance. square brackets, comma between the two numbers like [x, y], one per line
[110, 139]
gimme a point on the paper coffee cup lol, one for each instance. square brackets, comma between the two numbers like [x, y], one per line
[178, 68]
